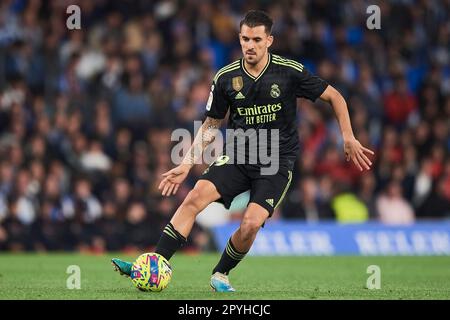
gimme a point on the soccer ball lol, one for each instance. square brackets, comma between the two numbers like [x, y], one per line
[151, 272]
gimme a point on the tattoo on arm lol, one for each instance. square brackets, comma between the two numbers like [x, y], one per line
[204, 137]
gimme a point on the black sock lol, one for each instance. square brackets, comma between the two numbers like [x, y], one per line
[230, 258]
[169, 242]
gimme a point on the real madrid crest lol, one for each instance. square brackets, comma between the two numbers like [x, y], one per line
[275, 91]
[237, 83]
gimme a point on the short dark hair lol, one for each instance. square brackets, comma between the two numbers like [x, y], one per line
[255, 18]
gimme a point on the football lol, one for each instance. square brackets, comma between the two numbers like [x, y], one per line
[151, 272]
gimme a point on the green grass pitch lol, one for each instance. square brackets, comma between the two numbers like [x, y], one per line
[43, 276]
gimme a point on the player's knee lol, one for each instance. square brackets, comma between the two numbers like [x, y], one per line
[193, 201]
[249, 228]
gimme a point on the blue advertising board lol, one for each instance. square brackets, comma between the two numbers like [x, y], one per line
[297, 238]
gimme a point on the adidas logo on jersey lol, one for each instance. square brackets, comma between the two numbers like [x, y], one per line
[270, 201]
[239, 96]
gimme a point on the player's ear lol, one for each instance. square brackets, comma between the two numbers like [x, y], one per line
[269, 41]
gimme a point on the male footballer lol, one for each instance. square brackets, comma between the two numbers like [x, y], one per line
[259, 91]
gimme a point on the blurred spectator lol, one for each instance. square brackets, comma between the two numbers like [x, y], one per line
[121, 197]
[132, 105]
[138, 231]
[50, 232]
[333, 165]
[82, 206]
[400, 103]
[393, 207]
[423, 183]
[24, 203]
[110, 228]
[437, 202]
[366, 191]
[86, 115]
[17, 228]
[306, 203]
[94, 158]
[347, 207]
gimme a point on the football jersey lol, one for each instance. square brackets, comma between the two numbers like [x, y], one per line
[267, 101]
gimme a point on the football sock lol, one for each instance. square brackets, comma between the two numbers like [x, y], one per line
[230, 258]
[169, 242]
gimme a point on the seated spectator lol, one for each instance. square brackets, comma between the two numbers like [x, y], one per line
[50, 230]
[305, 203]
[399, 103]
[333, 165]
[138, 231]
[82, 205]
[17, 232]
[110, 229]
[347, 207]
[94, 158]
[366, 193]
[392, 207]
[131, 105]
[437, 204]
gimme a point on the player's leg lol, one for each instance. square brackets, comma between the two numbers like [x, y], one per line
[220, 181]
[177, 230]
[238, 246]
[267, 193]
[175, 233]
[245, 235]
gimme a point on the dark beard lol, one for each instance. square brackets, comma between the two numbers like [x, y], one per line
[252, 63]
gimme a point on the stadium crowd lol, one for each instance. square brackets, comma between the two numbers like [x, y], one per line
[86, 115]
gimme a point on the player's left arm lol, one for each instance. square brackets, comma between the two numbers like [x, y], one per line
[352, 147]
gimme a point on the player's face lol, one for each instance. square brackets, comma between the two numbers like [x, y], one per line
[254, 43]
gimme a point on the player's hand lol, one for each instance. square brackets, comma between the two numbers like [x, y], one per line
[173, 178]
[357, 153]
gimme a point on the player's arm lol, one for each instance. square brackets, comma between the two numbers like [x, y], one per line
[216, 109]
[352, 147]
[205, 136]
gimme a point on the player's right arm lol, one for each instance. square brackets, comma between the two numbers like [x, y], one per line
[205, 136]
[216, 109]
